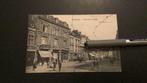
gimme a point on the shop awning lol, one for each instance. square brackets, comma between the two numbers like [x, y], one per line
[45, 53]
[91, 54]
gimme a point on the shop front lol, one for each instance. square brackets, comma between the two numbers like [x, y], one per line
[45, 53]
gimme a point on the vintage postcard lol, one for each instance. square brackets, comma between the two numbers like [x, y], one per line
[56, 43]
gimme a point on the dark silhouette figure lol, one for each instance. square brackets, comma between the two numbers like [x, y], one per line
[35, 61]
[59, 61]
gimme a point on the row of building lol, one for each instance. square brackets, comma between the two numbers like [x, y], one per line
[47, 33]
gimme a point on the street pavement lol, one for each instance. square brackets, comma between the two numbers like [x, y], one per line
[75, 66]
[66, 67]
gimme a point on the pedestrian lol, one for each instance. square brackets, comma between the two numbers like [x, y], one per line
[92, 62]
[59, 61]
[111, 60]
[47, 61]
[55, 56]
[60, 65]
[35, 61]
[50, 60]
[80, 58]
[98, 61]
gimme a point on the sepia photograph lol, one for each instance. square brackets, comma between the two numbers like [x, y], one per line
[57, 43]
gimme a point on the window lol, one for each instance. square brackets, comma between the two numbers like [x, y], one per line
[65, 43]
[43, 40]
[44, 28]
[30, 40]
[54, 31]
[55, 43]
[49, 28]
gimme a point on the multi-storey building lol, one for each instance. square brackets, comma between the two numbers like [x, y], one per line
[47, 33]
[74, 44]
[53, 33]
[83, 51]
[31, 40]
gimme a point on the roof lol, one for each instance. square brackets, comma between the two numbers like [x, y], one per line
[55, 21]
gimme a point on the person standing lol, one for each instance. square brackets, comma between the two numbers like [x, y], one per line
[35, 61]
[49, 59]
[59, 61]
[54, 60]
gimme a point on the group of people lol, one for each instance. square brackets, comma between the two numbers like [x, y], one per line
[54, 60]
[96, 61]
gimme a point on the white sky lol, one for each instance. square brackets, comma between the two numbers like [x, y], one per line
[95, 26]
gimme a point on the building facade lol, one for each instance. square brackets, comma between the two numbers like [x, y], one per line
[53, 34]
[74, 44]
[77, 45]
[47, 33]
[83, 51]
[31, 40]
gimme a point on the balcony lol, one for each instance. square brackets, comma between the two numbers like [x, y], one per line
[43, 46]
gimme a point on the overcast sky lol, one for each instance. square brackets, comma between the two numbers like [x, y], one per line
[95, 26]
